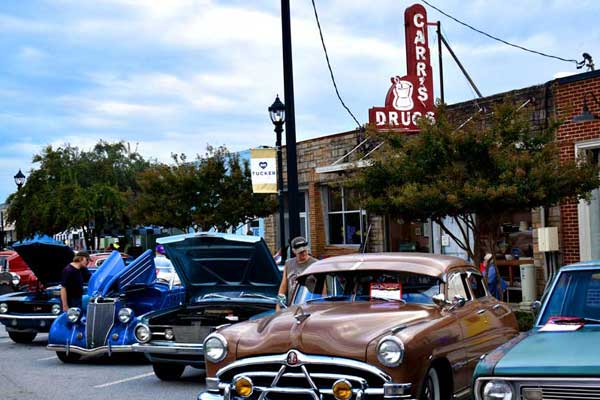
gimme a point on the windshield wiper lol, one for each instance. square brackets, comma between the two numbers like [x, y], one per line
[388, 299]
[257, 295]
[332, 298]
[575, 320]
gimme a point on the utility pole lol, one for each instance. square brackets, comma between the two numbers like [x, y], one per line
[290, 121]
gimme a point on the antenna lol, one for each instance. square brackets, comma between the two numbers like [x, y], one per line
[364, 246]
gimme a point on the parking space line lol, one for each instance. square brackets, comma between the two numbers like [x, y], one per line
[46, 358]
[133, 378]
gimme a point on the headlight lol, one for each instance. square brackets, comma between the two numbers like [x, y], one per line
[169, 335]
[56, 309]
[73, 314]
[125, 315]
[390, 351]
[3, 308]
[215, 348]
[16, 279]
[142, 333]
[497, 390]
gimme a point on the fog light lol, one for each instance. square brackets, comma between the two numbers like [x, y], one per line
[169, 334]
[243, 386]
[115, 336]
[142, 333]
[3, 308]
[56, 309]
[342, 389]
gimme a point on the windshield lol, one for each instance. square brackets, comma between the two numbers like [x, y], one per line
[576, 294]
[367, 286]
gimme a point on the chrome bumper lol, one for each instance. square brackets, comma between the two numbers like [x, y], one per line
[35, 316]
[164, 347]
[314, 390]
[97, 351]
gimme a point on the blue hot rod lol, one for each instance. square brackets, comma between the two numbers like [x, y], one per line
[118, 295]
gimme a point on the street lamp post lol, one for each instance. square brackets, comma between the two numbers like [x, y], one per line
[277, 114]
[290, 122]
[19, 181]
[1, 229]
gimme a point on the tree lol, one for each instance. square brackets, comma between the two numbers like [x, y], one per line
[88, 190]
[475, 174]
[213, 191]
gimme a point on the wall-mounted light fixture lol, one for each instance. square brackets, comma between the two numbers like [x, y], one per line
[586, 115]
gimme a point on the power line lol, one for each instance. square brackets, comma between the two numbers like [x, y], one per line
[496, 38]
[329, 66]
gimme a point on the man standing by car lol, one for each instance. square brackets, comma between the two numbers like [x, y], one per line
[73, 277]
[294, 267]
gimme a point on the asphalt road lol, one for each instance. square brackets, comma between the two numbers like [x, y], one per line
[30, 372]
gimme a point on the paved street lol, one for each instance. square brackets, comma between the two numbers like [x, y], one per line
[29, 372]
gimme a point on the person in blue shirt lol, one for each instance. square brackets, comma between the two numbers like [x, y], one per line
[496, 285]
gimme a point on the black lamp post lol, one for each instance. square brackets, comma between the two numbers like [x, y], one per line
[277, 114]
[1, 229]
[19, 179]
[290, 121]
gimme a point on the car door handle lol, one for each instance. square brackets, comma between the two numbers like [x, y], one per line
[479, 312]
[497, 306]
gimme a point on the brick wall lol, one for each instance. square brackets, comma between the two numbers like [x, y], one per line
[569, 94]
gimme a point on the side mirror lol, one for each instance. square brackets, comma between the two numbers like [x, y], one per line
[458, 301]
[535, 306]
[440, 300]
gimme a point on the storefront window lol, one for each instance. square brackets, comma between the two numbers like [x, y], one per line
[346, 221]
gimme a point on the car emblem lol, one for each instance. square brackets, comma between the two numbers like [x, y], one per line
[292, 358]
[37, 308]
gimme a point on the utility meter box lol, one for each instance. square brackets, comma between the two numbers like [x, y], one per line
[548, 239]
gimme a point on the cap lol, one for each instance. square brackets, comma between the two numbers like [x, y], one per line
[159, 249]
[487, 257]
[299, 244]
[82, 253]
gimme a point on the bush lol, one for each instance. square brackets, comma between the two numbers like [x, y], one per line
[525, 320]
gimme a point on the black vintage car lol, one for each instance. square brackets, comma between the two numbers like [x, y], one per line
[26, 313]
[228, 278]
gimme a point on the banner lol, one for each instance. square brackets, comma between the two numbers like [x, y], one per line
[263, 164]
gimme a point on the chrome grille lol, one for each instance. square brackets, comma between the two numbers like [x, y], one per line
[315, 374]
[559, 392]
[100, 319]
[191, 334]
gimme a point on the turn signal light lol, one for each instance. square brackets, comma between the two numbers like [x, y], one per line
[342, 389]
[243, 386]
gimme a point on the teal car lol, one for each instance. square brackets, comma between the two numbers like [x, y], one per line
[560, 357]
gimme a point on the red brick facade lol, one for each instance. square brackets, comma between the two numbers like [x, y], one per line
[569, 95]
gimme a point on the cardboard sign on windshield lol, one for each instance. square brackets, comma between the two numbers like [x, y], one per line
[390, 291]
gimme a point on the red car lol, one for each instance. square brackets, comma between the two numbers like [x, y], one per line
[15, 273]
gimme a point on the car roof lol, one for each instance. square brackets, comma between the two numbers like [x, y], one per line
[421, 263]
[582, 265]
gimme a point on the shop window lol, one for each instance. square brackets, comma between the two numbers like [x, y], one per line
[346, 222]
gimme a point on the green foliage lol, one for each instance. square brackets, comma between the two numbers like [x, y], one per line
[495, 164]
[77, 189]
[213, 191]
[525, 319]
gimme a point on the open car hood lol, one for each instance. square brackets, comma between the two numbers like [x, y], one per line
[114, 275]
[46, 257]
[216, 262]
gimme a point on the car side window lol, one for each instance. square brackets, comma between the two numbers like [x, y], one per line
[457, 286]
[477, 286]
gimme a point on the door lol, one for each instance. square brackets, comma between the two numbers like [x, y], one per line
[474, 325]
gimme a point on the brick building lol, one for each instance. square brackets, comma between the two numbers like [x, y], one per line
[334, 224]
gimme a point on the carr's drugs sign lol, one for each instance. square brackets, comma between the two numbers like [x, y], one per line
[409, 97]
[264, 170]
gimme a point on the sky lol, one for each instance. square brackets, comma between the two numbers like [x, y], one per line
[173, 76]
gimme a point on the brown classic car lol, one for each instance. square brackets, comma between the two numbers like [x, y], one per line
[374, 326]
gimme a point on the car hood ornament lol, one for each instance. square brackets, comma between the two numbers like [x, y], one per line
[300, 316]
